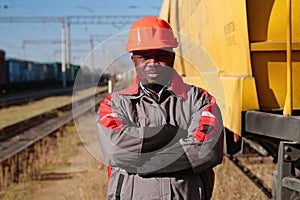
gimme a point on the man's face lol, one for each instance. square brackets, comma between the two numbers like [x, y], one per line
[154, 66]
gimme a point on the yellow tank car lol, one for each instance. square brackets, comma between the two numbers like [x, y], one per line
[248, 44]
[252, 52]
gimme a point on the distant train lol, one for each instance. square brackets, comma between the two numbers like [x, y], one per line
[17, 75]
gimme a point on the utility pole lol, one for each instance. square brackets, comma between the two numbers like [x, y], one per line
[68, 45]
[92, 55]
[63, 56]
[98, 37]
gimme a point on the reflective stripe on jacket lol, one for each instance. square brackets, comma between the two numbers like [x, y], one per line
[122, 119]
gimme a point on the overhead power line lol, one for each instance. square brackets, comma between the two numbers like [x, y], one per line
[48, 19]
[117, 21]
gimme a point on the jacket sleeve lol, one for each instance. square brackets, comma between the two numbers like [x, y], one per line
[120, 140]
[202, 149]
[204, 146]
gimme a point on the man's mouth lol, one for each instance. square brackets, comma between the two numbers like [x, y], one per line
[152, 72]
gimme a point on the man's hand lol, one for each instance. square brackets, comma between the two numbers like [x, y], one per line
[159, 136]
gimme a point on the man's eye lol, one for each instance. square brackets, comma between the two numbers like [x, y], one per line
[139, 57]
[145, 57]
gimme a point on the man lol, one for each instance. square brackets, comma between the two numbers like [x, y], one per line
[160, 137]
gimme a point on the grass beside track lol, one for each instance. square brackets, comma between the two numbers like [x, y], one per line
[14, 113]
[232, 184]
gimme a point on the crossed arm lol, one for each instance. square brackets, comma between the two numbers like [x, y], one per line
[165, 148]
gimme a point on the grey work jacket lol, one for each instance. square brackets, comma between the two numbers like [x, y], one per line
[180, 169]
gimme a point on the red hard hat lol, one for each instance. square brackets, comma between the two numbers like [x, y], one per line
[150, 33]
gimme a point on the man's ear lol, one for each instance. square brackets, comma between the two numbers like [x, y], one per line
[172, 63]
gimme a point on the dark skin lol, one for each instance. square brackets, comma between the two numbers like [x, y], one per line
[154, 67]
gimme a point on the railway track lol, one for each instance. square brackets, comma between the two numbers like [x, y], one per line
[260, 183]
[17, 140]
[34, 96]
[260, 176]
[31, 96]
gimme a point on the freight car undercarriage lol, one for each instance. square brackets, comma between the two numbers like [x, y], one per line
[279, 135]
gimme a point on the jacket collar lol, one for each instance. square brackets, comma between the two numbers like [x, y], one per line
[178, 87]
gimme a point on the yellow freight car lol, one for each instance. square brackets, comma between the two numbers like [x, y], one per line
[254, 46]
